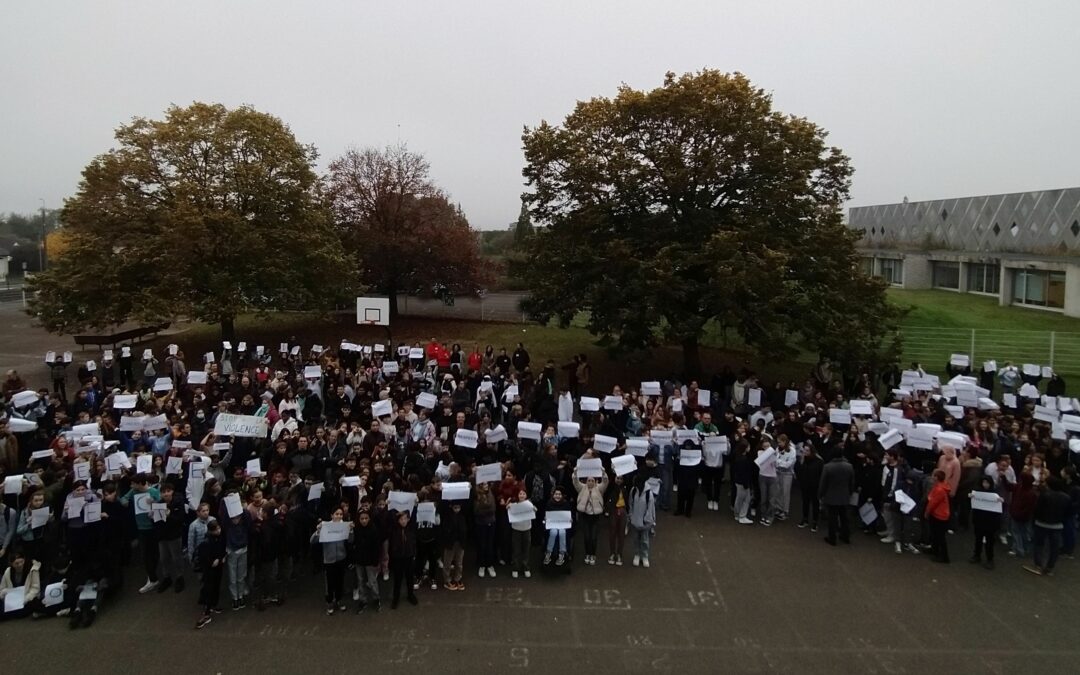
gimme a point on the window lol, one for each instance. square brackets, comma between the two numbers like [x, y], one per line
[866, 266]
[983, 278]
[891, 270]
[1039, 288]
[946, 275]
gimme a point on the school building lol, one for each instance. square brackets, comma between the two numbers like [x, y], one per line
[1023, 248]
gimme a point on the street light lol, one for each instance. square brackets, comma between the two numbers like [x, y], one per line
[41, 251]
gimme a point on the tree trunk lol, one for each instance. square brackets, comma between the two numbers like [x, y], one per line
[691, 357]
[228, 330]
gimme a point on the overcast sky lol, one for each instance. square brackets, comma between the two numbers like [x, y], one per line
[929, 99]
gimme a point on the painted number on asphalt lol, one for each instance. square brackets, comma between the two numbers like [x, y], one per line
[508, 596]
[703, 598]
[519, 657]
[402, 654]
[638, 641]
[604, 598]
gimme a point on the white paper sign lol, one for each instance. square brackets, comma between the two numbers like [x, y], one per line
[81, 471]
[960, 360]
[530, 430]
[637, 447]
[253, 468]
[690, 457]
[233, 507]
[907, 504]
[248, 426]
[861, 407]
[520, 512]
[330, 531]
[125, 401]
[791, 398]
[765, 456]
[753, 397]
[986, 501]
[15, 599]
[466, 438]
[401, 501]
[623, 464]
[425, 513]
[868, 513]
[156, 422]
[590, 404]
[426, 400]
[839, 416]
[92, 512]
[159, 512]
[496, 435]
[390, 367]
[704, 398]
[144, 464]
[890, 438]
[602, 443]
[569, 429]
[67, 357]
[416, 352]
[558, 520]
[455, 491]
[614, 403]
[651, 388]
[174, 466]
[590, 468]
[1009, 400]
[382, 408]
[196, 377]
[74, 507]
[989, 366]
[53, 595]
[489, 473]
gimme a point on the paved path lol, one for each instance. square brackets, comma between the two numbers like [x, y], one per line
[718, 598]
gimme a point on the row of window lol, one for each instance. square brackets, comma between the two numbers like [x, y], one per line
[1030, 287]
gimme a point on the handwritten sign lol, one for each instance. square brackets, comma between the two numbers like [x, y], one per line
[249, 426]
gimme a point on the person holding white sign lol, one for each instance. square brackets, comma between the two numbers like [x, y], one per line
[616, 501]
[79, 536]
[334, 557]
[31, 530]
[590, 506]
[521, 514]
[985, 522]
[557, 538]
[23, 576]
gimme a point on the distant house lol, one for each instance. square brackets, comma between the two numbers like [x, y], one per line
[5, 258]
[1023, 248]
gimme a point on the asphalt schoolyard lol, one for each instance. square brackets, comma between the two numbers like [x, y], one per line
[719, 597]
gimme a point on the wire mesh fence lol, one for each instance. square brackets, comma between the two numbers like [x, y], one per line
[932, 347]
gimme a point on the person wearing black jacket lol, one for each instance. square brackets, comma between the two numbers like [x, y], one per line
[403, 559]
[1050, 511]
[211, 555]
[808, 473]
[170, 535]
[986, 525]
[269, 543]
[365, 555]
[837, 484]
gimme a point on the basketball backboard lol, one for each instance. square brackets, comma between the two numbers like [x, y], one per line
[373, 311]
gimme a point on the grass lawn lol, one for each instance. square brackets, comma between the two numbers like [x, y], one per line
[945, 309]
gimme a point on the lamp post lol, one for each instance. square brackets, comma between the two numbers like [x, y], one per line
[41, 251]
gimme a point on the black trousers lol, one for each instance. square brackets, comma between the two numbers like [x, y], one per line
[402, 571]
[335, 581]
[938, 544]
[984, 540]
[838, 522]
[712, 477]
[810, 507]
[210, 591]
[684, 504]
[148, 542]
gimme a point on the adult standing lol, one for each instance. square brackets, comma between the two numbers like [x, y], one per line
[837, 484]
[1050, 511]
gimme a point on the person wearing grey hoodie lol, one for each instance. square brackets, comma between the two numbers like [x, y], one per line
[642, 516]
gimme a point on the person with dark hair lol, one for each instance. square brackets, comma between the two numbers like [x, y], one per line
[937, 516]
[211, 557]
[837, 484]
[986, 525]
[148, 540]
[403, 559]
[1050, 511]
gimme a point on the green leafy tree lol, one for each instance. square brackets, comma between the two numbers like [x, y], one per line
[523, 227]
[207, 213]
[692, 203]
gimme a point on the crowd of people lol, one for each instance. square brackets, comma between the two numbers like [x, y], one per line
[379, 466]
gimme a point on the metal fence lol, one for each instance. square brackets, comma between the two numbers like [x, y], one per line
[490, 307]
[933, 346]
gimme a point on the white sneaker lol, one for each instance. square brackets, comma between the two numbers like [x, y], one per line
[148, 586]
[611, 559]
[887, 540]
[514, 574]
[386, 575]
[481, 572]
[528, 574]
[745, 521]
[899, 548]
[644, 562]
[356, 595]
[491, 572]
[637, 560]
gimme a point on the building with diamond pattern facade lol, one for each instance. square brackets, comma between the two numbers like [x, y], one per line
[1023, 248]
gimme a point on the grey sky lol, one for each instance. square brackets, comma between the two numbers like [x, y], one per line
[930, 99]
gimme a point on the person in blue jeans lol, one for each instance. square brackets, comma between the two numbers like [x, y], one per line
[557, 543]
[1051, 510]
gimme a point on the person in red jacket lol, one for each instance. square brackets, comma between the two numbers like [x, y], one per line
[476, 359]
[937, 516]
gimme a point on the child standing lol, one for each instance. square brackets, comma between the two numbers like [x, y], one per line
[211, 557]
[557, 538]
[642, 517]
[367, 549]
[520, 539]
[986, 525]
[334, 563]
[453, 530]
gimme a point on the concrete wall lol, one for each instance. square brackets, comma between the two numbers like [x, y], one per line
[1072, 290]
[918, 274]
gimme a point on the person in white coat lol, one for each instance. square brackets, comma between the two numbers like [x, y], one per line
[785, 475]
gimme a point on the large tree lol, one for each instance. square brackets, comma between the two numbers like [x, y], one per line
[207, 213]
[692, 203]
[403, 230]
